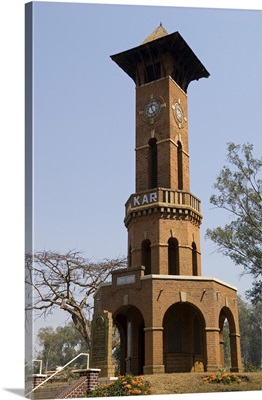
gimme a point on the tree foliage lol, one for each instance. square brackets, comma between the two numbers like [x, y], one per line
[67, 281]
[250, 323]
[60, 345]
[240, 193]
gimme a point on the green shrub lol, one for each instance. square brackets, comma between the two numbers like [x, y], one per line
[249, 367]
[127, 385]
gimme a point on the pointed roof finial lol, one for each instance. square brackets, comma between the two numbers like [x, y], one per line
[156, 34]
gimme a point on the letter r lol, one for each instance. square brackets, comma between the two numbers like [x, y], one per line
[153, 197]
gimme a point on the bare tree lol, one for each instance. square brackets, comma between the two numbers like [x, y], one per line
[67, 282]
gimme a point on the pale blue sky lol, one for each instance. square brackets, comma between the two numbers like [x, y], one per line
[84, 121]
[207, 37]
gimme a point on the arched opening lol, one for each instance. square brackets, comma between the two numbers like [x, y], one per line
[129, 258]
[173, 257]
[194, 259]
[153, 163]
[146, 256]
[130, 324]
[225, 345]
[179, 166]
[184, 340]
[116, 349]
[197, 337]
[228, 337]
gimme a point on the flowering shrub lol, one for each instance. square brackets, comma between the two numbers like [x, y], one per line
[127, 385]
[222, 377]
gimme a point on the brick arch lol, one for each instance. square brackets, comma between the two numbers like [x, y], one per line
[184, 338]
[130, 323]
[226, 313]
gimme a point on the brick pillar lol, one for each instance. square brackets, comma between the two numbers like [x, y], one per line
[80, 388]
[163, 259]
[221, 347]
[34, 380]
[92, 376]
[153, 359]
[213, 349]
[236, 363]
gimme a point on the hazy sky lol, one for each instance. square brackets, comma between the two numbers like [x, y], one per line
[226, 106]
[84, 118]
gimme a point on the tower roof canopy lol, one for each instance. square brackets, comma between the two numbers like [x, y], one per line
[158, 33]
[186, 66]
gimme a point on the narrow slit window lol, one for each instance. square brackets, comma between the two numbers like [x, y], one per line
[173, 257]
[153, 164]
[129, 256]
[146, 256]
[179, 166]
[194, 259]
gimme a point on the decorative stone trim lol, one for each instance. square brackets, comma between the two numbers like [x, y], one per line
[182, 296]
[154, 328]
[234, 335]
[188, 278]
[212, 329]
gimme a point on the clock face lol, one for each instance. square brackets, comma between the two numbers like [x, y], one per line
[178, 113]
[152, 108]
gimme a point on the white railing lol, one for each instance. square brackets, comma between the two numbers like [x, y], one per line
[60, 369]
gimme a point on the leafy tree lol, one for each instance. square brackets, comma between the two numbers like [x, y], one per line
[60, 345]
[250, 322]
[66, 282]
[240, 193]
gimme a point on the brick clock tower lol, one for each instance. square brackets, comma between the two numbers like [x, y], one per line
[170, 317]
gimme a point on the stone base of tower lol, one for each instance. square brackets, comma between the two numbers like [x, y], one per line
[167, 323]
[153, 369]
[213, 367]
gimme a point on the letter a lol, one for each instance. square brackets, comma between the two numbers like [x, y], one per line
[145, 199]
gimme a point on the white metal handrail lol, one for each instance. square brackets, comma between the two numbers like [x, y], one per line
[41, 365]
[61, 369]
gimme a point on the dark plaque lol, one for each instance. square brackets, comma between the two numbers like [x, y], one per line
[99, 339]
